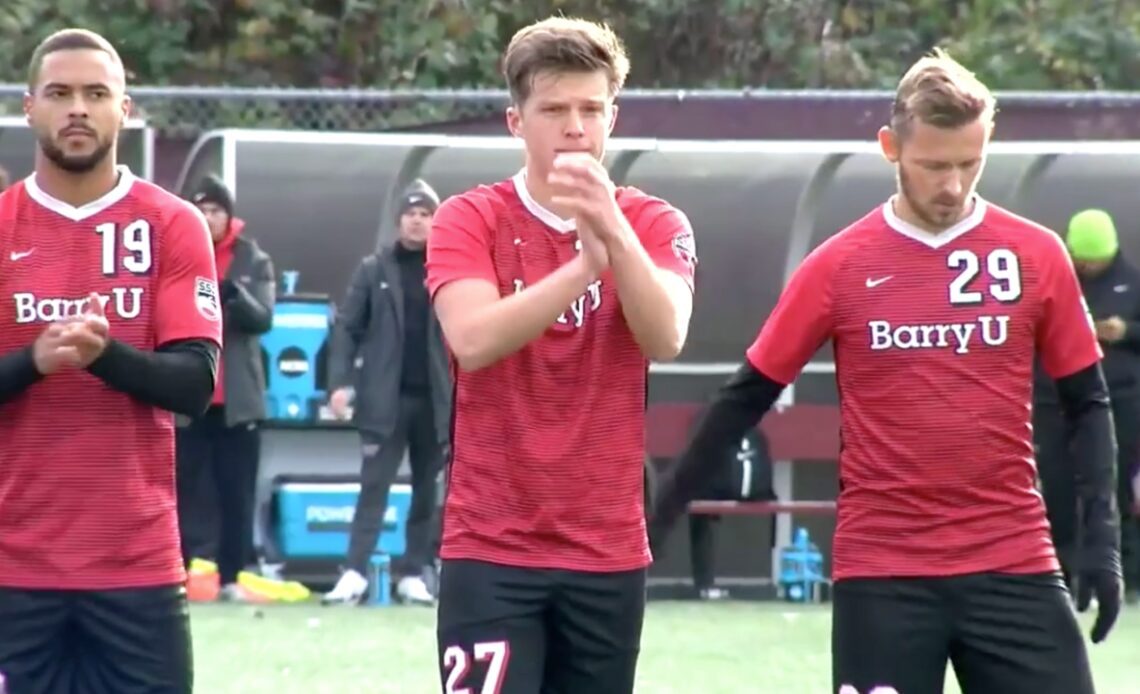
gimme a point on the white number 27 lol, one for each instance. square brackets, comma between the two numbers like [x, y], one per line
[457, 666]
[135, 241]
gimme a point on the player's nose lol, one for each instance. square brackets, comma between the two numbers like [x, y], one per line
[574, 126]
[78, 109]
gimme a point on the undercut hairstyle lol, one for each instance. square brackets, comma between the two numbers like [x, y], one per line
[68, 40]
[937, 90]
[561, 45]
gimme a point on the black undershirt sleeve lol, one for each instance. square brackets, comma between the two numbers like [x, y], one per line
[17, 373]
[1088, 414]
[738, 406]
[178, 376]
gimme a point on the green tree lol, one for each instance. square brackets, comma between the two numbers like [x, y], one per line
[1013, 44]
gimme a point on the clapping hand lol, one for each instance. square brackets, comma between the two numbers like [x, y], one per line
[88, 335]
[583, 187]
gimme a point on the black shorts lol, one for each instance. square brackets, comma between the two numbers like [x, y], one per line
[512, 630]
[129, 641]
[1001, 633]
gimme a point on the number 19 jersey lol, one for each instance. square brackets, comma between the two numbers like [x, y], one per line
[934, 339]
[87, 472]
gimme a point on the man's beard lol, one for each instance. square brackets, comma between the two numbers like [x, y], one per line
[75, 164]
[931, 218]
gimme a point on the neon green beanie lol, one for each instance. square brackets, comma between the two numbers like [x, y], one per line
[1092, 236]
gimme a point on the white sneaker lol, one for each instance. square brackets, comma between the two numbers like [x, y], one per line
[231, 592]
[349, 590]
[413, 590]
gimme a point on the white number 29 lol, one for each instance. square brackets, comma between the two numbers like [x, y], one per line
[135, 241]
[1002, 267]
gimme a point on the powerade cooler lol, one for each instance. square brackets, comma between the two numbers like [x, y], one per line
[314, 514]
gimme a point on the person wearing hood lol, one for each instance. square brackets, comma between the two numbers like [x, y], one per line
[218, 452]
[1111, 288]
[388, 361]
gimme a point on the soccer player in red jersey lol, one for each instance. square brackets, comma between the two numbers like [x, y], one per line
[110, 321]
[554, 289]
[935, 304]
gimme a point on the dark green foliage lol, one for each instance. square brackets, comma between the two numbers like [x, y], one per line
[390, 44]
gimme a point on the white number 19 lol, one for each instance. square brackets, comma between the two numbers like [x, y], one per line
[136, 241]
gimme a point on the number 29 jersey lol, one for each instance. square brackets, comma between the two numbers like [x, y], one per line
[934, 339]
[87, 496]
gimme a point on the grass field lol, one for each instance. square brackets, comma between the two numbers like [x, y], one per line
[695, 648]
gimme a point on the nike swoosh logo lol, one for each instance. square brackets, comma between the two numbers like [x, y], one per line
[874, 283]
[16, 255]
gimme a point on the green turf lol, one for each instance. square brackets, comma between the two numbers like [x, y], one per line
[687, 647]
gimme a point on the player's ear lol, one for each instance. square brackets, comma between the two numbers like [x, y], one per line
[514, 120]
[613, 118]
[127, 105]
[28, 107]
[889, 143]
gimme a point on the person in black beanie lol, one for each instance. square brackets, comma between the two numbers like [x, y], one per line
[219, 452]
[388, 362]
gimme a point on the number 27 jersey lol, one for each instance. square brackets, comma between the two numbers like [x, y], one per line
[87, 472]
[934, 339]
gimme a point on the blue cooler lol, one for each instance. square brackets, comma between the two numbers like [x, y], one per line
[294, 355]
[314, 514]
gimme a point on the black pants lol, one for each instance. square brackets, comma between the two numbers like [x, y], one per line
[702, 549]
[217, 486]
[1056, 467]
[512, 630]
[415, 432]
[1126, 420]
[1001, 633]
[129, 641]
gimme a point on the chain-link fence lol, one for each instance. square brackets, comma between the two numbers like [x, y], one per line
[190, 110]
[187, 111]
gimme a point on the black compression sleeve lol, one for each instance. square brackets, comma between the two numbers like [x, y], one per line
[738, 406]
[17, 373]
[1088, 413]
[178, 377]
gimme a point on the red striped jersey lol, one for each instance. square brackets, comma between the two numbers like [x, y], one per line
[87, 495]
[934, 339]
[548, 444]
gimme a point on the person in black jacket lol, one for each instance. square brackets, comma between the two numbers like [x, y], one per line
[1111, 287]
[387, 359]
[218, 453]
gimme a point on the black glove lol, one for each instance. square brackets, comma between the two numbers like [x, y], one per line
[1100, 575]
[229, 290]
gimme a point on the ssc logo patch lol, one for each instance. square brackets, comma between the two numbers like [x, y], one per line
[685, 247]
[206, 298]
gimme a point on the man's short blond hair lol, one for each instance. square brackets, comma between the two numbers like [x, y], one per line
[938, 90]
[563, 44]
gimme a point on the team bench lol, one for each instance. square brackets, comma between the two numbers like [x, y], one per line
[761, 508]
